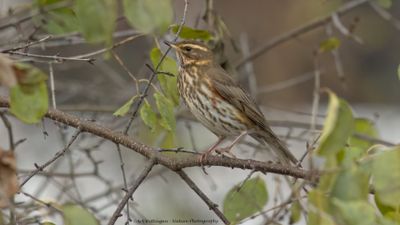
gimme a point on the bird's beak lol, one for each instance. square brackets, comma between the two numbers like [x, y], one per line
[170, 44]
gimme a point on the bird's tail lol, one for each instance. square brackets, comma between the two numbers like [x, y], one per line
[283, 153]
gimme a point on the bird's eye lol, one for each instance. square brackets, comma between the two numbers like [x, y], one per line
[187, 49]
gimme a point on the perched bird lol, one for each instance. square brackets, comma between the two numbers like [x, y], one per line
[219, 103]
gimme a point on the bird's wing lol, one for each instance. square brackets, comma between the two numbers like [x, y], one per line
[225, 86]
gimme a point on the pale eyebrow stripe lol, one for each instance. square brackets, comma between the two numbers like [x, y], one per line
[196, 47]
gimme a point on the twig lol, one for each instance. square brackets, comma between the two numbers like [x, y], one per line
[54, 58]
[132, 189]
[122, 167]
[210, 204]
[316, 97]
[52, 86]
[7, 124]
[49, 162]
[83, 57]
[286, 83]
[154, 74]
[299, 31]
[27, 44]
[385, 14]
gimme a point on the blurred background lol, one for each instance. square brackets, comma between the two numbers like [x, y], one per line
[363, 69]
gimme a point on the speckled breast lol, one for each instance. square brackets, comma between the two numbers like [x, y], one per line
[209, 107]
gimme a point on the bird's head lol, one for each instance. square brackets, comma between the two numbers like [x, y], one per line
[192, 52]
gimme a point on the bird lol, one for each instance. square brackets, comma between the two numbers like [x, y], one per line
[220, 103]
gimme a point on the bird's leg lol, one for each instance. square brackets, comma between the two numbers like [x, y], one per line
[210, 150]
[234, 142]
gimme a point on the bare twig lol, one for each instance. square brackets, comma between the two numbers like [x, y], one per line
[7, 124]
[385, 14]
[49, 162]
[347, 7]
[132, 189]
[43, 39]
[52, 86]
[210, 204]
[87, 57]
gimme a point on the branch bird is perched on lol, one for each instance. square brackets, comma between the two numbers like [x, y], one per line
[219, 103]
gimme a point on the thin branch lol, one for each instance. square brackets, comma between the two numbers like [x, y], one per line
[385, 14]
[49, 162]
[210, 204]
[279, 86]
[7, 124]
[132, 189]
[154, 73]
[122, 167]
[54, 58]
[299, 31]
[52, 86]
[41, 40]
[87, 57]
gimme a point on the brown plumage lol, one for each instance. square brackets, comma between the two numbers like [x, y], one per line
[218, 102]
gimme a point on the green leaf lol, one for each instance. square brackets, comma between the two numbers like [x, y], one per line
[76, 215]
[329, 44]
[398, 71]
[355, 212]
[190, 33]
[295, 212]
[327, 180]
[250, 199]
[45, 223]
[365, 127]
[96, 19]
[317, 214]
[166, 109]
[149, 15]
[29, 99]
[169, 140]
[351, 184]
[123, 110]
[29, 107]
[386, 221]
[148, 116]
[58, 20]
[384, 209]
[338, 126]
[349, 155]
[394, 216]
[385, 3]
[386, 177]
[167, 83]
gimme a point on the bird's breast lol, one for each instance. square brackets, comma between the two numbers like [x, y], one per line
[214, 112]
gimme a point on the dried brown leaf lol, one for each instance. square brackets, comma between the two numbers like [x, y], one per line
[7, 75]
[8, 177]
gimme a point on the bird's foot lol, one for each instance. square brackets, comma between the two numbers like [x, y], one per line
[203, 157]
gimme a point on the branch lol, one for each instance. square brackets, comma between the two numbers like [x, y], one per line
[210, 204]
[132, 189]
[169, 161]
[299, 31]
[56, 156]
[155, 72]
